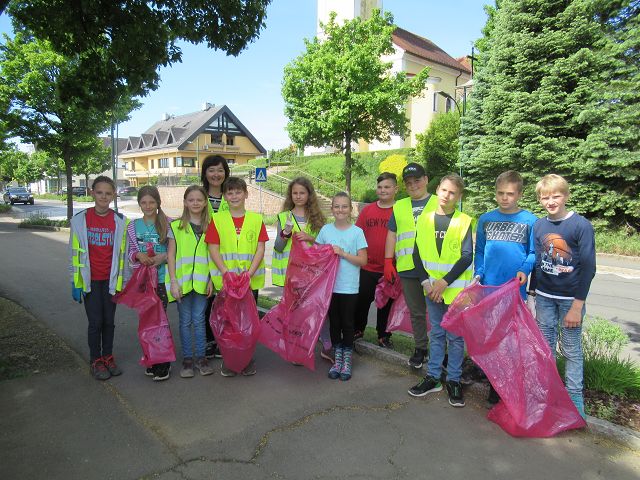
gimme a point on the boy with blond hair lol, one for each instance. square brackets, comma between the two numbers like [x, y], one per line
[565, 266]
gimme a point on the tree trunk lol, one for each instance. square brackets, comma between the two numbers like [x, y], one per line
[86, 183]
[69, 174]
[347, 163]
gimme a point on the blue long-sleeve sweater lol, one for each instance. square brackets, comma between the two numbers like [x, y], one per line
[504, 246]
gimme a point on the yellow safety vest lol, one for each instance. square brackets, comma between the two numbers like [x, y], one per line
[192, 261]
[406, 230]
[80, 260]
[438, 265]
[280, 260]
[224, 206]
[237, 251]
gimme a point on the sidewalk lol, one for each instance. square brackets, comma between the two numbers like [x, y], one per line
[286, 422]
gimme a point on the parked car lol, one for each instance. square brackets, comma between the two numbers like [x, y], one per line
[127, 191]
[76, 191]
[18, 195]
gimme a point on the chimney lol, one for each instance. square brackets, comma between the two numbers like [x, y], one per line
[206, 106]
[165, 116]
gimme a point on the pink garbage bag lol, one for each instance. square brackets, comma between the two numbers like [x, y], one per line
[153, 326]
[504, 340]
[292, 327]
[234, 321]
[399, 315]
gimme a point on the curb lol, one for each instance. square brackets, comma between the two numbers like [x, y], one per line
[595, 425]
[48, 228]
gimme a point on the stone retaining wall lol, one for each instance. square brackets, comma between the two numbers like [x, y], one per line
[271, 202]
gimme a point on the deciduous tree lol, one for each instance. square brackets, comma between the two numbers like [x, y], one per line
[340, 90]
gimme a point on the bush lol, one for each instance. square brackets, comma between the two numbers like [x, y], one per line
[604, 371]
[4, 207]
[40, 218]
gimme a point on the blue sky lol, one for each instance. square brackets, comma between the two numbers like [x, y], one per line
[250, 83]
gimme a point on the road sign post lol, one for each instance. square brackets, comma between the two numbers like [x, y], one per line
[261, 177]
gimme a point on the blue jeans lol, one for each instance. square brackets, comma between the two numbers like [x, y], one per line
[439, 339]
[550, 313]
[191, 314]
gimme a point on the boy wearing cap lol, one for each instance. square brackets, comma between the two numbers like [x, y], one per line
[400, 243]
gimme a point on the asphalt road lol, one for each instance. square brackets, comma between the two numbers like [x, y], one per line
[285, 423]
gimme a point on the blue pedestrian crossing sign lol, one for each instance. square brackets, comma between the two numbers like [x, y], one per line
[261, 174]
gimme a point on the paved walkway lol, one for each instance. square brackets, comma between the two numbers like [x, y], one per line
[286, 422]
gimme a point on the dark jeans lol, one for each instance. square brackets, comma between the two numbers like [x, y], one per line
[366, 295]
[101, 312]
[341, 313]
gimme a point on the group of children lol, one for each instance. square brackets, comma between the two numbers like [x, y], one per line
[423, 241]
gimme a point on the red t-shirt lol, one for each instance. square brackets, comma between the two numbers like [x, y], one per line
[212, 235]
[100, 234]
[373, 222]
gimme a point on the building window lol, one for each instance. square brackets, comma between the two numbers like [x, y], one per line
[133, 166]
[163, 163]
[435, 102]
[185, 162]
[216, 138]
[230, 139]
[448, 105]
[152, 164]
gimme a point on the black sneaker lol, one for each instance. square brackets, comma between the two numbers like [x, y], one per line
[385, 342]
[210, 351]
[417, 359]
[426, 385]
[456, 398]
[149, 372]
[493, 397]
[162, 372]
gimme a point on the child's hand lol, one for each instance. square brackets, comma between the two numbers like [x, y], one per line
[176, 291]
[144, 259]
[76, 293]
[436, 290]
[338, 251]
[573, 318]
[209, 289]
[304, 237]
[522, 277]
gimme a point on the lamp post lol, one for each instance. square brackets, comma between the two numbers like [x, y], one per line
[461, 113]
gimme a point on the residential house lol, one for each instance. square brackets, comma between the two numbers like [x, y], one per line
[175, 146]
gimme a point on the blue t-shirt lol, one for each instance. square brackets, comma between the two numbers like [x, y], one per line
[350, 240]
[147, 235]
[504, 246]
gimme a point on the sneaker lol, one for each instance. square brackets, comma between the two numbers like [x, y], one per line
[327, 354]
[162, 373]
[225, 372]
[493, 397]
[110, 363]
[417, 359]
[250, 369]
[203, 366]
[456, 398]
[149, 372]
[426, 385]
[187, 368]
[212, 351]
[358, 334]
[99, 370]
[385, 342]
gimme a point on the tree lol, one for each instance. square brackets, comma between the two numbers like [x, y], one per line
[32, 168]
[543, 102]
[438, 147]
[37, 88]
[340, 91]
[120, 45]
[96, 160]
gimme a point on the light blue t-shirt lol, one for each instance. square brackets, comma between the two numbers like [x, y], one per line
[350, 240]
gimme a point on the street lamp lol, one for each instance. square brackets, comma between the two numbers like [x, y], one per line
[446, 95]
[449, 97]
